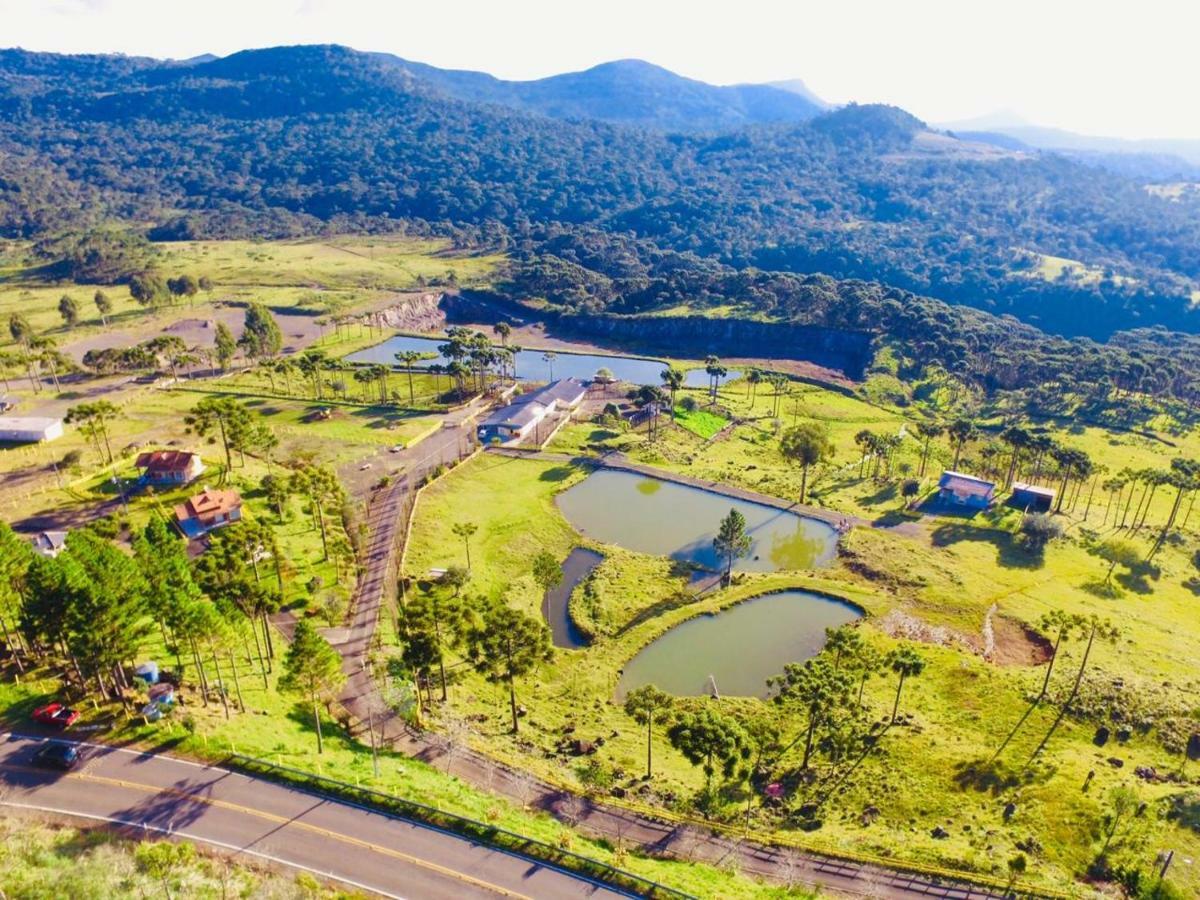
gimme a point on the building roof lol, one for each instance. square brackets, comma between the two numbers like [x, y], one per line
[961, 483]
[529, 407]
[516, 415]
[28, 423]
[165, 460]
[208, 504]
[1022, 487]
[565, 390]
[50, 540]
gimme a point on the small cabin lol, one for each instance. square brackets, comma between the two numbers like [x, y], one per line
[1031, 497]
[960, 489]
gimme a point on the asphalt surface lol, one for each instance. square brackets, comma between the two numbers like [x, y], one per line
[152, 795]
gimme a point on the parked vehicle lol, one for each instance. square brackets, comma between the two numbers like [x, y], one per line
[55, 714]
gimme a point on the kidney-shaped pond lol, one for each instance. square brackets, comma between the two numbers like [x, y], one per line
[738, 648]
[650, 515]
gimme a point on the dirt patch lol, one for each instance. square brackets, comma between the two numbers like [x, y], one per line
[1016, 644]
[899, 624]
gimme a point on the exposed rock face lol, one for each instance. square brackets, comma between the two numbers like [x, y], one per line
[414, 312]
[696, 336]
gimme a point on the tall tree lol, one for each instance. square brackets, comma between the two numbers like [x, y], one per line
[817, 687]
[408, 359]
[642, 705]
[312, 669]
[506, 644]
[261, 337]
[227, 418]
[548, 358]
[15, 558]
[104, 306]
[324, 491]
[906, 663]
[465, 530]
[68, 308]
[673, 379]
[962, 432]
[732, 542]
[712, 740]
[94, 418]
[148, 288]
[928, 432]
[546, 571]
[226, 346]
[806, 445]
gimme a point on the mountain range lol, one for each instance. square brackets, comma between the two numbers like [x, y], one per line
[294, 140]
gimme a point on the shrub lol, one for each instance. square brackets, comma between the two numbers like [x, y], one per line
[689, 404]
[1040, 529]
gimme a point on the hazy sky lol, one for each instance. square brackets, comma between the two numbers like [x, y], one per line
[1099, 67]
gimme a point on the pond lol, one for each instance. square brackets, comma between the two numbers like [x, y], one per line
[738, 648]
[576, 567]
[662, 518]
[529, 363]
[698, 378]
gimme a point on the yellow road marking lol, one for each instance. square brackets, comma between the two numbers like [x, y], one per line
[290, 822]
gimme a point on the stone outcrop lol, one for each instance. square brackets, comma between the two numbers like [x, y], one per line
[412, 312]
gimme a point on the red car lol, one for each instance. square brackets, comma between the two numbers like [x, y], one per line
[55, 714]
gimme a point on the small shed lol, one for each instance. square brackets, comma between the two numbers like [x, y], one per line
[1031, 497]
[960, 489]
[29, 429]
[50, 543]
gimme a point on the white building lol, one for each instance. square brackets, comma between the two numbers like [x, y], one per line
[29, 429]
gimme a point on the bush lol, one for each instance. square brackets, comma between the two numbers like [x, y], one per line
[1040, 529]
[689, 404]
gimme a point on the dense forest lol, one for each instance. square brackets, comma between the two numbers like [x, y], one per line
[297, 140]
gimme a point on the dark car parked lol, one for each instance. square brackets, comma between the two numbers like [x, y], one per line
[57, 756]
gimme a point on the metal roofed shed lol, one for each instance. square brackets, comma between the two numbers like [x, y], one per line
[29, 429]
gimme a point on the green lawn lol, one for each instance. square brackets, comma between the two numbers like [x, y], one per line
[700, 422]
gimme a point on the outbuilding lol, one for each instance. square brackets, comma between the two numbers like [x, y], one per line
[1031, 497]
[29, 429]
[960, 489]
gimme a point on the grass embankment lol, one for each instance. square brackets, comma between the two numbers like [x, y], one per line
[47, 860]
[276, 729]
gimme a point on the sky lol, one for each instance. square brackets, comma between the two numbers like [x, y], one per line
[1098, 67]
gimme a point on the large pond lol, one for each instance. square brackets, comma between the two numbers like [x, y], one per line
[667, 519]
[738, 648]
[529, 363]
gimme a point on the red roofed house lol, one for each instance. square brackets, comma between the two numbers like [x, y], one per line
[169, 466]
[208, 510]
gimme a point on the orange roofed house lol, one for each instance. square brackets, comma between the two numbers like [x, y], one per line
[208, 510]
[169, 466]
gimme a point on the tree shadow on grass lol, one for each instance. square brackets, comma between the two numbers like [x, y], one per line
[993, 777]
[557, 473]
[1139, 577]
[675, 601]
[1011, 551]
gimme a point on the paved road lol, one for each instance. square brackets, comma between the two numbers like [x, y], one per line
[148, 795]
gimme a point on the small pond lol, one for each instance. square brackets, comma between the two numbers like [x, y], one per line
[576, 567]
[698, 378]
[529, 363]
[738, 648]
[662, 518]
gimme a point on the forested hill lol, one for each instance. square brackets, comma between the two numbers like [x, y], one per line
[295, 139]
[630, 92]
